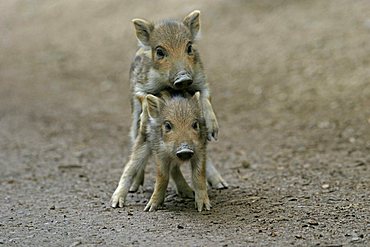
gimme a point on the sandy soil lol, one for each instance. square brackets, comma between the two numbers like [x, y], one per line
[291, 87]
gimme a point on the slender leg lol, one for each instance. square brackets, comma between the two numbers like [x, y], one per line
[135, 117]
[213, 176]
[138, 180]
[199, 183]
[182, 187]
[138, 159]
[138, 127]
[161, 184]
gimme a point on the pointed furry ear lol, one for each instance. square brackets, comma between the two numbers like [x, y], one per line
[143, 29]
[153, 105]
[192, 21]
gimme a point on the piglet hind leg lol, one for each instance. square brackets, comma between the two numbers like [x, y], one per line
[138, 181]
[182, 187]
[214, 178]
[138, 132]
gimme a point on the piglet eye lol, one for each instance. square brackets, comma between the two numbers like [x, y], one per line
[160, 53]
[189, 49]
[195, 125]
[167, 126]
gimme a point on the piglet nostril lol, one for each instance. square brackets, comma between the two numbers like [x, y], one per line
[184, 154]
[182, 80]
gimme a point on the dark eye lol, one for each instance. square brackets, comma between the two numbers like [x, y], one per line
[195, 125]
[160, 53]
[167, 126]
[189, 50]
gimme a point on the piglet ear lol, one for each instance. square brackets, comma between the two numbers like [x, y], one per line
[153, 105]
[143, 29]
[192, 21]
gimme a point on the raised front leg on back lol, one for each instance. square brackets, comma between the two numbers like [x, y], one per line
[210, 117]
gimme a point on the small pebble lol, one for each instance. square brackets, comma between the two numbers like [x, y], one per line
[325, 186]
[312, 222]
[246, 164]
[355, 239]
[324, 125]
[75, 244]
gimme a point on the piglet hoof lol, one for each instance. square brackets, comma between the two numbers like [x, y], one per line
[212, 128]
[221, 185]
[152, 206]
[134, 187]
[217, 182]
[138, 181]
[118, 198]
[186, 193]
[202, 200]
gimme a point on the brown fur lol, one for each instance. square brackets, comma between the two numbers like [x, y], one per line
[172, 124]
[153, 72]
[151, 75]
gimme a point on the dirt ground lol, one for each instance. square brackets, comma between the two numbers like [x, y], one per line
[291, 88]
